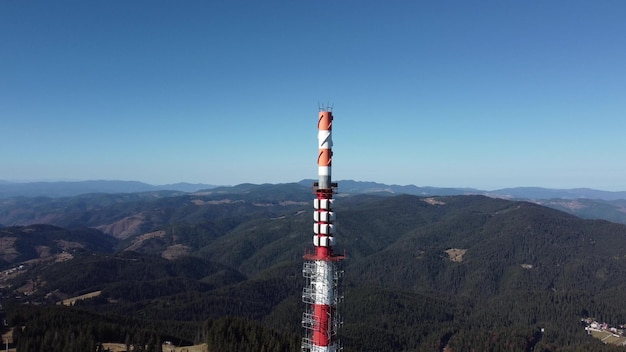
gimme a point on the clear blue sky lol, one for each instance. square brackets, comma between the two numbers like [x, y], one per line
[484, 94]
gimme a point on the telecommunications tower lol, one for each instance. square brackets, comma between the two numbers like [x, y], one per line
[321, 267]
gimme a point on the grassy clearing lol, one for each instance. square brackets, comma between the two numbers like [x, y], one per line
[456, 254]
[609, 338]
[120, 347]
[7, 337]
[71, 301]
[195, 348]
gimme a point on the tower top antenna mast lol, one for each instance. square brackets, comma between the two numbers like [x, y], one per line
[325, 106]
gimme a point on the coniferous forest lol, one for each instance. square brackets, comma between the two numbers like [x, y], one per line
[455, 273]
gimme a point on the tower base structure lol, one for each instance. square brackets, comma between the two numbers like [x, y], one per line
[322, 296]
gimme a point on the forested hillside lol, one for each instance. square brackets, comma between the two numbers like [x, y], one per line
[464, 273]
[46, 242]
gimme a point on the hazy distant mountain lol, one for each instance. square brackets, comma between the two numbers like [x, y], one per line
[547, 193]
[355, 187]
[614, 210]
[531, 193]
[73, 188]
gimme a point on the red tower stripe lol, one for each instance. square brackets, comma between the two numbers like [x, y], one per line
[324, 157]
[321, 336]
[325, 121]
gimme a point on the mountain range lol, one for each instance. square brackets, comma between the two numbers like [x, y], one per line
[43, 202]
[224, 266]
[73, 188]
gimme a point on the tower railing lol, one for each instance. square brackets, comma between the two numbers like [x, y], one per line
[308, 295]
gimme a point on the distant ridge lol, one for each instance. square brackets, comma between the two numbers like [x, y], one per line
[527, 193]
[350, 186]
[548, 193]
[74, 188]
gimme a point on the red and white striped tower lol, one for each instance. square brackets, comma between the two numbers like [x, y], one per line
[321, 268]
